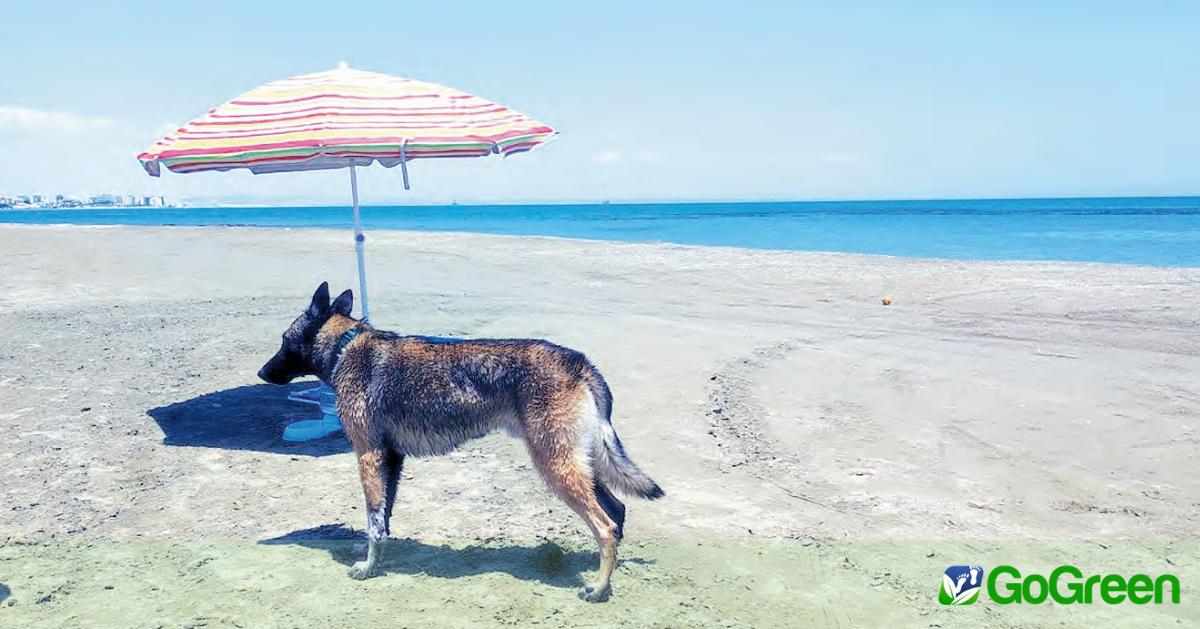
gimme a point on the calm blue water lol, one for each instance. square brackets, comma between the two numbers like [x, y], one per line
[1158, 231]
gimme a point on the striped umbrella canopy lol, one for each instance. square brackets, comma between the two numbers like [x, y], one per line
[343, 116]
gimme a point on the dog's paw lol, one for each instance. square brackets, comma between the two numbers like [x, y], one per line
[592, 595]
[362, 570]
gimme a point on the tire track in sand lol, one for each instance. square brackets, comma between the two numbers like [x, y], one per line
[736, 421]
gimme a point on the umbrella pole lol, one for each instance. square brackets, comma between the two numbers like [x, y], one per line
[359, 244]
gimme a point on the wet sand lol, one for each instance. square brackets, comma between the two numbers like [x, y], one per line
[823, 454]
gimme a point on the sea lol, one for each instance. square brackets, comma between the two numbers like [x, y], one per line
[1161, 231]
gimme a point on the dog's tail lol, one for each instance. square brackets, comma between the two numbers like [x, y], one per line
[612, 466]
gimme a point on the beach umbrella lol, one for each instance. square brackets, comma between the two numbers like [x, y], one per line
[343, 118]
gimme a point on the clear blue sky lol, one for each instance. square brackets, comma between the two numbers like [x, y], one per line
[687, 100]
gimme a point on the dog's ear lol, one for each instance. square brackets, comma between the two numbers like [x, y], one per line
[320, 300]
[344, 303]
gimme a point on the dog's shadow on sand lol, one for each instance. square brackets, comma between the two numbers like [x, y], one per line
[250, 417]
[546, 563]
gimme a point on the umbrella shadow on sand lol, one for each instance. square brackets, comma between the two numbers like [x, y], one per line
[546, 563]
[250, 417]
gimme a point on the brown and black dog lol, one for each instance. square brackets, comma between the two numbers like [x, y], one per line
[419, 396]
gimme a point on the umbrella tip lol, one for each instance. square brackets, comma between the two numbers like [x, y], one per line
[342, 66]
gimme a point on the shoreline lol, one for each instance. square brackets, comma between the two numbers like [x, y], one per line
[1162, 232]
[596, 241]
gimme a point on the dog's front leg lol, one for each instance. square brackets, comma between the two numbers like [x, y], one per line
[373, 470]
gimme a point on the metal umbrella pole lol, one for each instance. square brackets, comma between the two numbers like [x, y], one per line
[359, 244]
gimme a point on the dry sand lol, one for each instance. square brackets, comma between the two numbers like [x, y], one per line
[825, 456]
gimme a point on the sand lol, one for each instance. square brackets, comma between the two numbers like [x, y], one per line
[825, 456]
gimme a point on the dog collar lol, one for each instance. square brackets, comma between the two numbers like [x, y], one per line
[343, 341]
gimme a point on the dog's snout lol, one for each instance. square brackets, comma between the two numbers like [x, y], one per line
[270, 376]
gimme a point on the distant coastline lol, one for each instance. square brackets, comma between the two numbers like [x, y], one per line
[63, 202]
[51, 208]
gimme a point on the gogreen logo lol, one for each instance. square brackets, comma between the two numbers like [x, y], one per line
[961, 585]
[1065, 585]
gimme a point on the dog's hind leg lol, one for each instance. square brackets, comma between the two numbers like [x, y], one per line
[375, 470]
[561, 451]
[607, 534]
[574, 486]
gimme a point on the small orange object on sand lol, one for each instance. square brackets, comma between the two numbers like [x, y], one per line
[887, 300]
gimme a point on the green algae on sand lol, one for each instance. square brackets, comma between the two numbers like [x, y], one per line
[659, 583]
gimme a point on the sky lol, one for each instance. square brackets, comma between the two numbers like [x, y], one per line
[654, 101]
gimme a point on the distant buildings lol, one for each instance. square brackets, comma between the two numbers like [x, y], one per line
[34, 201]
[128, 200]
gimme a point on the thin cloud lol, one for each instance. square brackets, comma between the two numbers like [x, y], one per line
[26, 119]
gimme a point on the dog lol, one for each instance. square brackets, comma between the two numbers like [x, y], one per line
[401, 396]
